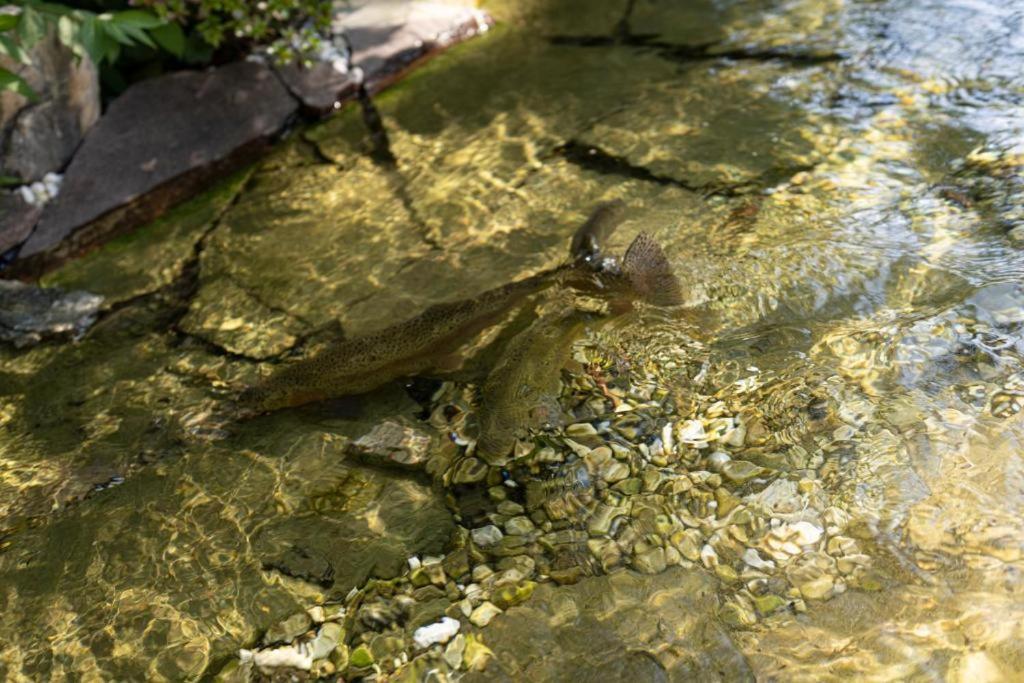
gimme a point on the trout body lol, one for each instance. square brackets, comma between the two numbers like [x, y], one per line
[521, 392]
[360, 364]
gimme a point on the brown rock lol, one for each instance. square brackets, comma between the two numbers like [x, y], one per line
[318, 87]
[39, 137]
[164, 136]
[393, 444]
[17, 218]
[388, 37]
[29, 314]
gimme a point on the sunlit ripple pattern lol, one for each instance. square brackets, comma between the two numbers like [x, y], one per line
[853, 286]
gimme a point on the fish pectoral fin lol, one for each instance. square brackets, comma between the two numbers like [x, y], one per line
[650, 273]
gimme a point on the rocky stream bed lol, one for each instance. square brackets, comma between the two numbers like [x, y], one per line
[809, 470]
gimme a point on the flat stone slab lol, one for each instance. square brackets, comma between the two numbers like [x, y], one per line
[17, 218]
[28, 314]
[386, 38]
[157, 132]
[152, 256]
[701, 132]
[226, 315]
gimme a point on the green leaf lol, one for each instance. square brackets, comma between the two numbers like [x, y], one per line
[15, 83]
[8, 22]
[91, 40]
[68, 33]
[113, 30]
[10, 181]
[10, 48]
[113, 50]
[171, 38]
[137, 35]
[137, 18]
[106, 44]
[197, 50]
[31, 27]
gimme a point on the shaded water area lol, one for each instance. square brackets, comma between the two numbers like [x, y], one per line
[811, 470]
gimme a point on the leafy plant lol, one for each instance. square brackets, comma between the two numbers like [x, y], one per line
[8, 79]
[100, 36]
[288, 29]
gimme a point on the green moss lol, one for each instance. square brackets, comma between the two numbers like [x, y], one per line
[152, 256]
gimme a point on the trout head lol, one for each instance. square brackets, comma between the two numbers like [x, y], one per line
[644, 273]
[588, 238]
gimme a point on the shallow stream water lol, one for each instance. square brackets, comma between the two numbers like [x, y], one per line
[812, 470]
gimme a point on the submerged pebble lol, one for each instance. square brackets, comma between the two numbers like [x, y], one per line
[487, 535]
[439, 632]
[291, 656]
[484, 613]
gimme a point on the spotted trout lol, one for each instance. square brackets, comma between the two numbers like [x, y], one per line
[420, 345]
[522, 391]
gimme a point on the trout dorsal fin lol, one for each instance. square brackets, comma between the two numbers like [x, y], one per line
[588, 238]
[649, 272]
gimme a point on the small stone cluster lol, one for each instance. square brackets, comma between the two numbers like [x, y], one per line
[989, 182]
[645, 480]
[41, 191]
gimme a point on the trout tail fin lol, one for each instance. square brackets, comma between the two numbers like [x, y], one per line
[587, 241]
[649, 272]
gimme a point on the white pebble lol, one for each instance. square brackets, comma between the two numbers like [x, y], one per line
[27, 195]
[736, 436]
[790, 548]
[439, 632]
[294, 656]
[708, 556]
[753, 558]
[717, 459]
[806, 533]
[666, 438]
[52, 182]
[692, 431]
[325, 641]
[414, 563]
[40, 192]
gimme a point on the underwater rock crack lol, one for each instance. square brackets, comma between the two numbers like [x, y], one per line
[701, 52]
[593, 158]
